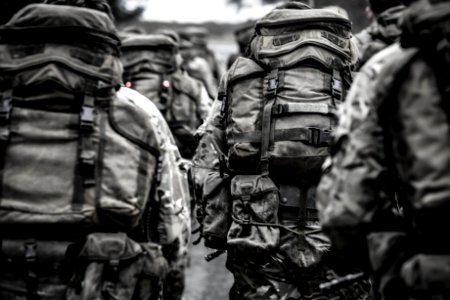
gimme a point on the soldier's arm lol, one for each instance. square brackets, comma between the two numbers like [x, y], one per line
[205, 103]
[352, 191]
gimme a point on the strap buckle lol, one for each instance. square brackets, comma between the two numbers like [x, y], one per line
[87, 117]
[5, 107]
[272, 84]
[30, 252]
[336, 88]
[319, 137]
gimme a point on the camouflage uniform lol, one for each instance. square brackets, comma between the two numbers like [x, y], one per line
[198, 67]
[381, 33]
[387, 183]
[173, 196]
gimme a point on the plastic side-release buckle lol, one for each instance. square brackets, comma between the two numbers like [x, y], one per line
[87, 116]
[272, 84]
[336, 85]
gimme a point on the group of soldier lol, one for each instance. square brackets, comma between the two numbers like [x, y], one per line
[357, 211]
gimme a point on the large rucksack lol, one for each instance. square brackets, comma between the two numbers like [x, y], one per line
[278, 110]
[280, 104]
[75, 159]
[150, 67]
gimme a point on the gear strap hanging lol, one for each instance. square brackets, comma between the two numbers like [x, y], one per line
[5, 118]
[267, 132]
[85, 171]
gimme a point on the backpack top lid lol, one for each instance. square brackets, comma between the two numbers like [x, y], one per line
[322, 35]
[79, 40]
[297, 17]
[148, 41]
[60, 23]
[149, 52]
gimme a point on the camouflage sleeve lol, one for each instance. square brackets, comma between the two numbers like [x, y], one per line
[205, 103]
[172, 192]
[352, 189]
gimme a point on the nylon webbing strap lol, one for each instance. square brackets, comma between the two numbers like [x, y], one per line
[309, 135]
[165, 97]
[298, 108]
[85, 171]
[267, 132]
[5, 117]
[87, 153]
[336, 85]
[5, 114]
[30, 257]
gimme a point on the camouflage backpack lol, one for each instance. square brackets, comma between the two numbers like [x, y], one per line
[75, 159]
[280, 104]
[151, 69]
[278, 108]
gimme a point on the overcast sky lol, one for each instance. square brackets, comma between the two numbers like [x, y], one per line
[198, 11]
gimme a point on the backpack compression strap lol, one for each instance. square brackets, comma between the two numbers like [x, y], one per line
[5, 116]
[85, 170]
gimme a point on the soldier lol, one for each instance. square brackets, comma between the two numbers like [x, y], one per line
[152, 64]
[270, 128]
[198, 36]
[93, 191]
[242, 35]
[383, 31]
[198, 67]
[385, 195]
[151, 61]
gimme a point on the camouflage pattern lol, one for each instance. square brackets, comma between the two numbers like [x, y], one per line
[174, 228]
[392, 149]
[381, 33]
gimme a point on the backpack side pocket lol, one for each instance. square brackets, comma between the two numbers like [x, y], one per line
[255, 208]
[216, 210]
[113, 266]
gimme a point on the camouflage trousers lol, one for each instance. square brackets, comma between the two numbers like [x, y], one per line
[270, 277]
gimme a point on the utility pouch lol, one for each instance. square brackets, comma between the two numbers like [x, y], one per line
[427, 276]
[216, 210]
[34, 269]
[255, 209]
[113, 266]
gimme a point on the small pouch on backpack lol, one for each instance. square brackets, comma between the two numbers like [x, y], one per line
[427, 275]
[216, 210]
[113, 266]
[255, 209]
